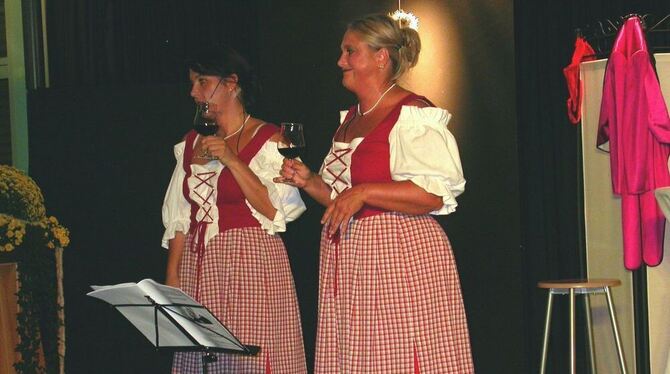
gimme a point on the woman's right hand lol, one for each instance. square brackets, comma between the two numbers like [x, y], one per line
[294, 173]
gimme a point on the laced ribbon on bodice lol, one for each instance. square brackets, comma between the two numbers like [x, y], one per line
[206, 205]
[337, 167]
[332, 168]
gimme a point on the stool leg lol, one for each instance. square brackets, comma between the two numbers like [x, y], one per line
[615, 329]
[573, 363]
[545, 341]
[589, 332]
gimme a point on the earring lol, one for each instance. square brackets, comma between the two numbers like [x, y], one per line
[381, 66]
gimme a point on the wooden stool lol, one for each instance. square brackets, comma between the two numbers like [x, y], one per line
[585, 287]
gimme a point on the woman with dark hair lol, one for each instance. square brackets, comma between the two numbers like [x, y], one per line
[389, 292]
[222, 214]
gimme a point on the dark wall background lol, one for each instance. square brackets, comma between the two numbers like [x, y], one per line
[102, 157]
[101, 141]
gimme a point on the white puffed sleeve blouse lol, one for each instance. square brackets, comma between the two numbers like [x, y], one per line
[422, 150]
[266, 164]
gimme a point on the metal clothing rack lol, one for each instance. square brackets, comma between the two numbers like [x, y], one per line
[601, 34]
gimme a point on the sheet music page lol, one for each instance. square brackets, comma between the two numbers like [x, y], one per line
[205, 328]
[191, 316]
[141, 313]
[163, 294]
[194, 318]
[124, 293]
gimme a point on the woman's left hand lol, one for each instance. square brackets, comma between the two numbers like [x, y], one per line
[339, 212]
[218, 148]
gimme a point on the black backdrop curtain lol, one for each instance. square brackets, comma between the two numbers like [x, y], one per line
[549, 153]
[115, 42]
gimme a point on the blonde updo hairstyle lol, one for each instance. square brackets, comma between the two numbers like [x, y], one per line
[402, 43]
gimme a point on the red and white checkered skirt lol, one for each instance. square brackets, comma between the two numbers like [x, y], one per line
[246, 282]
[390, 300]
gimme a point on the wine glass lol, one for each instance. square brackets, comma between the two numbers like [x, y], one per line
[205, 125]
[292, 144]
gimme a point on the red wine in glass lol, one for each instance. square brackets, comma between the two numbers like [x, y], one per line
[204, 125]
[206, 128]
[292, 152]
[293, 143]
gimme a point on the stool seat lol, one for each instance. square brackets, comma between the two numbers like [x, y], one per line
[579, 283]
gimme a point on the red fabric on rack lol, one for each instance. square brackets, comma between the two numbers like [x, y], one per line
[583, 52]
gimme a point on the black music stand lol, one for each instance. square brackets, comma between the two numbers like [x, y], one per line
[172, 320]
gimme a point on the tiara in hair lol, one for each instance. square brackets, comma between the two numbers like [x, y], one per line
[405, 19]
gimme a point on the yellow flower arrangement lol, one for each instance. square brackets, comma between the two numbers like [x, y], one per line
[23, 216]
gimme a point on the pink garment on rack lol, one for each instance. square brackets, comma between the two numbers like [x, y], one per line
[634, 120]
[583, 52]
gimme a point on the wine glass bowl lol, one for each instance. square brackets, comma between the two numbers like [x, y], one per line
[202, 121]
[205, 125]
[292, 144]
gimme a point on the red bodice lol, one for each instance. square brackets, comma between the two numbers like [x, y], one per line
[230, 201]
[370, 160]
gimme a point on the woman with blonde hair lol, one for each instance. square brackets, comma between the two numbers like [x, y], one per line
[389, 292]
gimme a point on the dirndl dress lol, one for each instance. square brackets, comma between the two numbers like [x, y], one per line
[239, 271]
[389, 291]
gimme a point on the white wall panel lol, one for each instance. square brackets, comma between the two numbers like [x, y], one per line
[602, 213]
